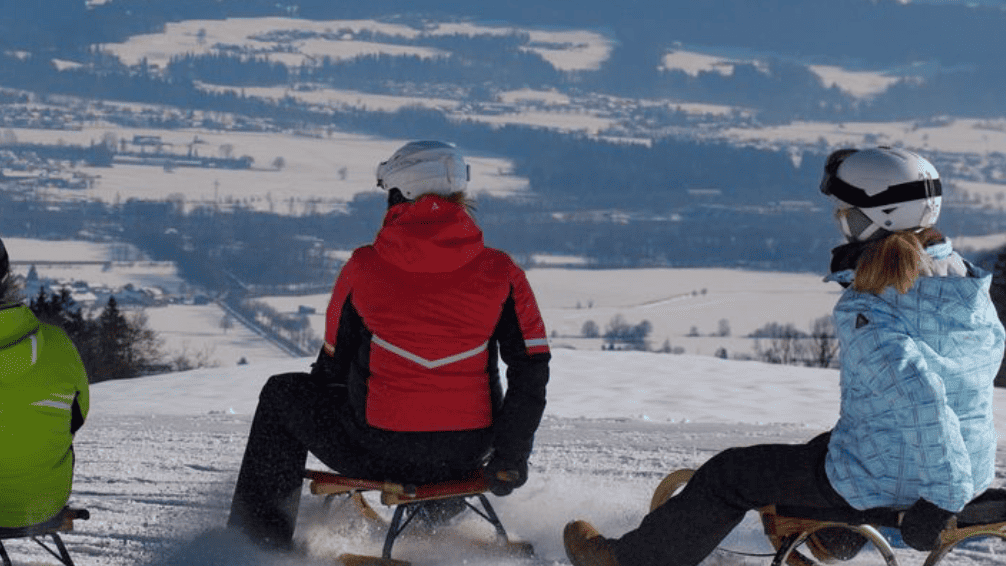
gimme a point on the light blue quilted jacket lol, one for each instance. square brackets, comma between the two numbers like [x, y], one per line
[916, 382]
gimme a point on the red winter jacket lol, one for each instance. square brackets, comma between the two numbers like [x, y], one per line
[416, 321]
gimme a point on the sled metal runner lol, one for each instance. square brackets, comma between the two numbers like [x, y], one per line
[62, 522]
[409, 502]
[788, 527]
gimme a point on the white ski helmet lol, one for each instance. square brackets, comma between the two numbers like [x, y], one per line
[882, 190]
[420, 167]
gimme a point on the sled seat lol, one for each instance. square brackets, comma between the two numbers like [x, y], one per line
[788, 527]
[410, 502]
[62, 522]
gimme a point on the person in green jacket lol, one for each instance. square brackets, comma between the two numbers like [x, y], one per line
[43, 402]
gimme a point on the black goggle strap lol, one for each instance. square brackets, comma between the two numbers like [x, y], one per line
[831, 168]
[903, 192]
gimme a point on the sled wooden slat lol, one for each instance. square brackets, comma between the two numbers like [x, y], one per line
[62, 522]
[327, 483]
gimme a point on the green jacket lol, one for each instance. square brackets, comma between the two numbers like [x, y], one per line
[43, 400]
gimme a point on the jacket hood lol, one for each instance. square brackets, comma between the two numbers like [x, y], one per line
[429, 236]
[18, 339]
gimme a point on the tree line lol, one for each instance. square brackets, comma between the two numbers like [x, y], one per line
[112, 345]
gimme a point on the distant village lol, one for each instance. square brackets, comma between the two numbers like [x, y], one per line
[28, 166]
[95, 296]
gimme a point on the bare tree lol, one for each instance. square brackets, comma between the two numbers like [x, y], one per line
[785, 344]
[186, 360]
[110, 140]
[226, 322]
[823, 343]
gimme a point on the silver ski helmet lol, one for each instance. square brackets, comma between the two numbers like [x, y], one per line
[427, 166]
[881, 190]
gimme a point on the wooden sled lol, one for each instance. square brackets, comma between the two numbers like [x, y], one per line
[790, 527]
[409, 501]
[62, 522]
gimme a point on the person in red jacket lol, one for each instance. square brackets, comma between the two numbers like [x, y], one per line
[407, 385]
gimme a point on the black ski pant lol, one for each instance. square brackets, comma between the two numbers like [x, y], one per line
[297, 414]
[690, 525]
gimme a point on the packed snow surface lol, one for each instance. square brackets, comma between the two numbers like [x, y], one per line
[157, 459]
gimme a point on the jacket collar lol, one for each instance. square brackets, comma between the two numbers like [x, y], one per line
[16, 322]
[845, 257]
[429, 236]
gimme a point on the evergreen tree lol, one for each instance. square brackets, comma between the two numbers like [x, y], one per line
[112, 342]
[60, 310]
[111, 346]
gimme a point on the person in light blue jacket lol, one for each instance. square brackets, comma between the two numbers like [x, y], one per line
[920, 347]
[921, 344]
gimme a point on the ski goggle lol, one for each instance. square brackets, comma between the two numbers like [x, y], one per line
[902, 192]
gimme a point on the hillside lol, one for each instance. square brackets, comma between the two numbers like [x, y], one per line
[157, 459]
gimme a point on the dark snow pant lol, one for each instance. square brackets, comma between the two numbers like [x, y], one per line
[297, 414]
[690, 525]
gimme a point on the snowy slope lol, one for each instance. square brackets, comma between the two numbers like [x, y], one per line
[157, 460]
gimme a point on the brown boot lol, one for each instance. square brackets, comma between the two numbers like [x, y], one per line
[586, 547]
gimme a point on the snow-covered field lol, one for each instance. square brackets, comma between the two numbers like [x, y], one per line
[320, 172]
[286, 39]
[949, 135]
[684, 306]
[157, 459]
[293, 41]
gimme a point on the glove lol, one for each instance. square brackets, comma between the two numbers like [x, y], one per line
[323, 368]
[922, 524]
[505, 474]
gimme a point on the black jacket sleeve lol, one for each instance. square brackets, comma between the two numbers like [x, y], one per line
[333, 369]
[524, 401]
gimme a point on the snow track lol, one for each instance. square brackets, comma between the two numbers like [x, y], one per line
[159, 487]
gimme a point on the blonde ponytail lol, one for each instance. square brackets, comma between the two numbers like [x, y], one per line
[896, 260]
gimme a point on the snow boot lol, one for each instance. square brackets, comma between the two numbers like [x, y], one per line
[586, 547]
